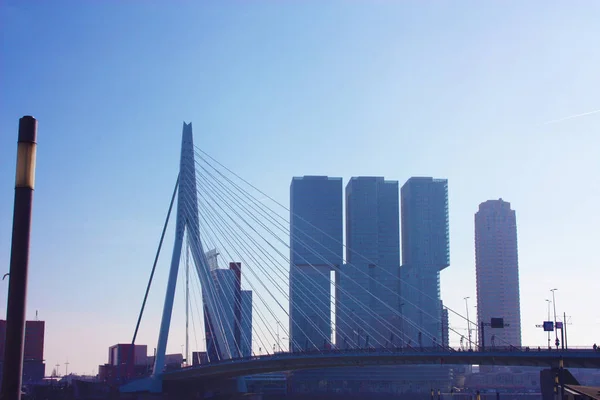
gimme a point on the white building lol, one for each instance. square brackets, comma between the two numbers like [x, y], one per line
[497, 269]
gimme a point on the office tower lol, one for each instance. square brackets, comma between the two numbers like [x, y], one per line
[367, 286]
[425, 252]
[497, 269]
[246, 324]
[315, 250]
[33, 352]
[235, 312]
[445, 327]
[224, 294]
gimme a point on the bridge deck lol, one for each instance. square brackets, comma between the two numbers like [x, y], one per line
[298, 361]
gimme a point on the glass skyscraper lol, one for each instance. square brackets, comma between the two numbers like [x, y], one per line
[234, 311]
[425, 252]
[315, 250]
[367, 288]
[497, 268]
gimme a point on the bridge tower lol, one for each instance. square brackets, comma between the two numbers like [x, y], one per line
[188, 222]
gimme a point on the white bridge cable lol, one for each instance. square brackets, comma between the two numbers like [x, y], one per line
[245, 248]
[201, 312]
[341, 306]
[382, 320]
[252, 272]
[200, 309]
[254, 256]
[260, 204]
[221, 315]
[256, 324]
[210, 291]
[181, 283]
[306, 294]
[256, 327]
[187, 260]
[254, 289]
[217, 323]
[229, 327]
[393, 329]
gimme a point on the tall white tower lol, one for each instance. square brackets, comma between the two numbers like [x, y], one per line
[497, 269]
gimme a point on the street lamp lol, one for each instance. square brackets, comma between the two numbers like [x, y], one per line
[548, 301]
[554, 305]
[477, 333]
[19, 260]
[468, 321]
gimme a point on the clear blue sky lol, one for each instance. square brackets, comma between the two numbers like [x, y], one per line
[458, 90]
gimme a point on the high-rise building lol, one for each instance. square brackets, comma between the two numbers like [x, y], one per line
[445, 327]
[224, 295]
[315, 250]
[246, 324]
[33, 352]
[367, 286]
[235, 313]
[425, 252]
[497, 269]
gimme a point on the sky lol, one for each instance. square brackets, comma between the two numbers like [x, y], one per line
[476, 92]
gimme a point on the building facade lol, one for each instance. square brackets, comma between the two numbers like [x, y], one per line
[246, 324]
[234, 307]
[367, 286]
[33, 354]
[497, 270]
[315, 250]
[425, 252]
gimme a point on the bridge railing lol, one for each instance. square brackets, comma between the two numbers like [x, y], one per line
[408, 350]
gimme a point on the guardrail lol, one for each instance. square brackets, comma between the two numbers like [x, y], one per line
[411, 350]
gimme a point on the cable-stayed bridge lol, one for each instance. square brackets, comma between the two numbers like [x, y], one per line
[260, 312]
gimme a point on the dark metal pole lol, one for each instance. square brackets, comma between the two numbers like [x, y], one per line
[482, 329]
[19, 260]
[565, 328]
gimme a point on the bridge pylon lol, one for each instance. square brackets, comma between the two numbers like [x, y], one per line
[187, 222]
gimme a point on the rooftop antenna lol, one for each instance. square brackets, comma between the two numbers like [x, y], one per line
[36, 315]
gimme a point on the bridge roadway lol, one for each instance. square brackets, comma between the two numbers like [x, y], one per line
[370, 357]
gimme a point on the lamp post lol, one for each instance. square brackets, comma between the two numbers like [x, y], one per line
[554, 305]
[468, 321]
[19, 260]
[477, 333]
[548, 301]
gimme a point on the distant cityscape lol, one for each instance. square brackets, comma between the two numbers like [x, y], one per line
[374, 281]
[364, 306]
[376, 213]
